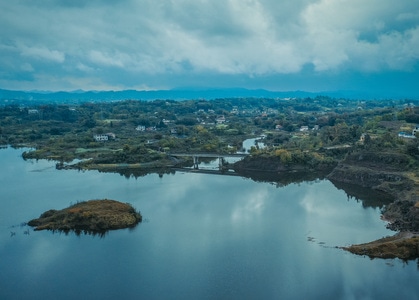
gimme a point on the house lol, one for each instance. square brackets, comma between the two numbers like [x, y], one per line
[104, 137]
[406, 135]
[140, 128]
[415, 130]
[220, 120]
[101, 137]
[278, 127]
[303, 128]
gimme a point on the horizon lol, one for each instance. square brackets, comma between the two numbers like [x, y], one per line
[192, 94]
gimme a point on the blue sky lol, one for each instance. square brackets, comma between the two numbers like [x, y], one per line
[323, 45]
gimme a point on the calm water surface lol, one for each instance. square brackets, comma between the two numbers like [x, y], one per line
[204, 237]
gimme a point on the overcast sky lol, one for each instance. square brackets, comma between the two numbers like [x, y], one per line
[279, 45]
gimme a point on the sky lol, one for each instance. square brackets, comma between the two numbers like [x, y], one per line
[279, 45]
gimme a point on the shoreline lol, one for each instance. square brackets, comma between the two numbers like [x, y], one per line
[402, 213]
[403, 245]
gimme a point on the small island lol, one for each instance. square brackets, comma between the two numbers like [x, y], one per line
[90, 217]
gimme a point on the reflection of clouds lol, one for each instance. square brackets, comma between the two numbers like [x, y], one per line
[250, 206]
[206, 234]
[335, 220]
[44, 253]
[176, 190]
[321, 200]
[313, 205]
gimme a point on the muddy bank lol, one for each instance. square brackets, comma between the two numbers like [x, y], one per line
[94, 216]
[391, 182]
[389, 174]
[274, 164]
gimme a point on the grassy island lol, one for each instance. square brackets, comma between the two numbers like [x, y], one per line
[94, 217]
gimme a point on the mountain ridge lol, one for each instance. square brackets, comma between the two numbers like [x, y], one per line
[176, 94]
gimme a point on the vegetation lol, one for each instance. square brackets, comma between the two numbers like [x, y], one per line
[143, 131]
[367, 143]
[403, 245]
[93, 217]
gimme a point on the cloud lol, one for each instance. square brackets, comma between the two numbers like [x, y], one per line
[366, 37]
[43, 53]
[175, 40]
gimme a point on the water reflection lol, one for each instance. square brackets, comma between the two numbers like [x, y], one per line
[282, 179]
[207, 237]
[367, 196]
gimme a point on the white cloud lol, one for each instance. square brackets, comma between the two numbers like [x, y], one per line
[106, 59]
[175, 38]
[43, 53]
[339, 29]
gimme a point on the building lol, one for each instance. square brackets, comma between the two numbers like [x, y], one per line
[220, 120]
[104, 137]
[406, 135]
[101, 137]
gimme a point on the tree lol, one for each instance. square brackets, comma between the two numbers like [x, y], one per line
[284, 155]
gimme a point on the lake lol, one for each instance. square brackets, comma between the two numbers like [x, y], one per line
[203, 237]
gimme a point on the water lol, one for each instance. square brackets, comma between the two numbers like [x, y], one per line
[249, 143]
[204, 237]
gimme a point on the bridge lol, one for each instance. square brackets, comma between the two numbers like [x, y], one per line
[221, 157]
[206, 171]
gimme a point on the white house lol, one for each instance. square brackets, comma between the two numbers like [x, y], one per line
[104, 137]
[406, 135]
[100, 137]
[220, 120]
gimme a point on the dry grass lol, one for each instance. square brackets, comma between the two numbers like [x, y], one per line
[402, 245]
[89, 216]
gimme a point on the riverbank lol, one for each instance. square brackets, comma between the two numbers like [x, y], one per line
[403, 245]
[385, 172]
[388, 173]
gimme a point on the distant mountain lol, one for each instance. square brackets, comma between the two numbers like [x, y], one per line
[9, 96]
